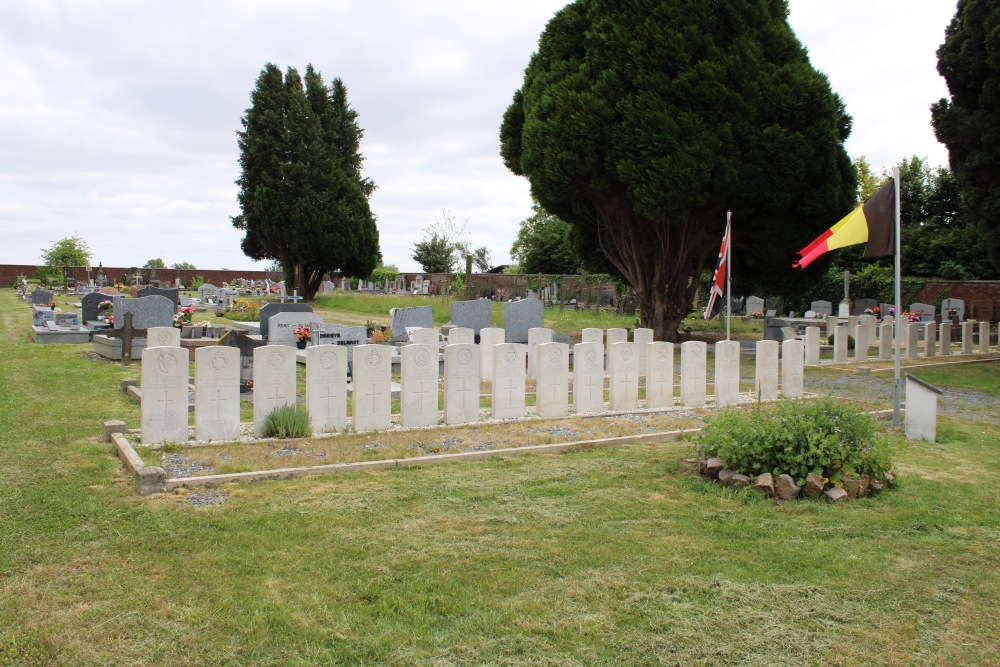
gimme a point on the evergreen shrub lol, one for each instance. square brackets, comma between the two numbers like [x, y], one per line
[287, 421]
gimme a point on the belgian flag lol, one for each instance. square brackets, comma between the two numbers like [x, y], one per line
[873, 222]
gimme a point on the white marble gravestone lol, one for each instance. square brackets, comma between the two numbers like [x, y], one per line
[840, 344]
[766, 369]
[791, 369]
[164, 394]
[921, 410]
[461, 336]
[371, 380]
[693, 354]
[886, 344]
[727, 372]
[861, 343]
[461, 383]
[984, 337]
[273, 381]
[163, 337]
[642, 337]
[424, 336]
[623, 376]
[967, 328]
[536, 335]
[659, 374]
[588, 377]
[552, 387]
[488, 337]
[418, 378]
[911, 333]
[945, 339]
[326, 387]
[616, 335]
[217, 393]
[508, 380]
[831, 325]
[812, 347]
[930, 338]
[592, 335]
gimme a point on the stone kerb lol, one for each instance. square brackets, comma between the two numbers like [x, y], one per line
[588, 377]
[216, 392]
[791, 368]
[163, 337]
[418, 395]
[727, 372]
[659, 374]
[552, 387]
[273, 382]
[372, 388]
[461, 383]
[488, 338]
[509, 380]
[623, 376]
[164, 394]
[521, 316]
[536, 336]
[326, 387]
[693, 359]
[766, 369]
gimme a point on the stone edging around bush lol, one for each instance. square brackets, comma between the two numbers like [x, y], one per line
[785, 488]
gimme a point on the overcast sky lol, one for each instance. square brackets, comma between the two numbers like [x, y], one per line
[118, 120]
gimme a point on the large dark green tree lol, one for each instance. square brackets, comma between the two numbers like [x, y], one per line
[545, 244]
[303, 199]
[969, 123]
[641, 123]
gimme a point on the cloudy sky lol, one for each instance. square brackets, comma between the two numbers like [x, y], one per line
[118, 119]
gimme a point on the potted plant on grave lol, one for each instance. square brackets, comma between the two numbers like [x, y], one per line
[302, 336]
[52, 305]
[182, 320]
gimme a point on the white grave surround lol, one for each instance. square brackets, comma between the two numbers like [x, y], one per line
[623, 376]
[326, 387]
[461, 336]
[766, 369]
[812, 348]
[536, 336]
[273, 381]
[727, 372]
[163, 337]
[693, 359]
[791, 369]
[930, 338]
[371, 371]
[945, 339]
[418, 377]
[164, 394]
[921, 410]
[588, 377]
[552, 386]
[642, 337]
[216, 393]
[509, 380]
[488, 337]
[659, 374]
[591, 335]
[461, 383]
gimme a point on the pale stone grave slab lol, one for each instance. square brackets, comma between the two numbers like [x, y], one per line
[418, 377]
[147, 311]
[886, 344]
[727, 372]
[508, 380]
[282, 326]
[163, 337]
[812, 349]
[371, 377]
[984, 337]
[216, 391]
[791, 369]
[588, 377]
[957, 305]
[967, 329]
[623, 376]
[945, 339]
[642, 338]
[755, 304]
[461, 383]
[840, 344]
[831, 325]
[424, 336]
[326, 387]
[269, 310]
[208, 294]
[925, 309]
[476, 315]
[911, 336]
[273, 382]
[536, 336]
[488, 337]
[659, 374]
[766, 370]
[552, 388]
[421, 317]
[68, 320]
[693, 360]
[592, 335]
[164, 394]
[861, 343]
[521, 316]
[461, 336]
[616, 335]
[921, 409]
[852, 324]
[821, 307]
[930, 338]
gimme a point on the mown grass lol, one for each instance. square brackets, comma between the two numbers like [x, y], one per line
[603, 557]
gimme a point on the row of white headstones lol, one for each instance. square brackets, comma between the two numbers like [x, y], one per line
[937, 339]
[217, 375]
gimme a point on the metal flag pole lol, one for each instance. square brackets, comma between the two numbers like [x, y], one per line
[899, 310]
[729, 279]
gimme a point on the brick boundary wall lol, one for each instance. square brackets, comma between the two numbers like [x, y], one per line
[935, 291]
[10, 272]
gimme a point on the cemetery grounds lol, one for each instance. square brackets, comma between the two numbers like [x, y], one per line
[604, 556]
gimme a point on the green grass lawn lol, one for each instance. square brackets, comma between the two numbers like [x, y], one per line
[601, 557]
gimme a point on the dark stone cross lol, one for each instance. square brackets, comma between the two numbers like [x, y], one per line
[127, 333]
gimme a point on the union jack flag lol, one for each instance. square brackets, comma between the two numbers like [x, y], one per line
[715, 297]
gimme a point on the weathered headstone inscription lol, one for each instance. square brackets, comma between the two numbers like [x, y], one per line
[461, 383]
[536, 336]
[164, 394]
[642, 337]
[508, 380]
[216, 392]
[488, 337]
[659, 374]
[326, 387]
[418, 396]
[372, 385]
[281, 327]
[766, 370]
[163, 337]
[461, 336]
[791, 368]
[727, 372]
[273, 382]
[552, 388]
[693, 359]
[623, 376]
[269, 310]
[588, 377]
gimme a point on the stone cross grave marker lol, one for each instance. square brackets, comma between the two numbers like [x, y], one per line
[642, 338]
[273, 382]
[693, 359]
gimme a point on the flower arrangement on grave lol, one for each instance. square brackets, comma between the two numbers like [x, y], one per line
[869, 311]
[183, 316]
[915, 316]
[105, 306]
[757, 314]
[52, 305]
[303, 334]
[377, 336]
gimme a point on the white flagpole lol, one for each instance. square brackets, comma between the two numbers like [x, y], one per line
[899, 310]
[729, 279]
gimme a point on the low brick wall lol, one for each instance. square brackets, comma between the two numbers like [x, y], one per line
[984, 292]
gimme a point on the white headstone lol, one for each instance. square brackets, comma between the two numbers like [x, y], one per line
[616, 335]
[461, 383]
[791, 368]
[371, 376]
[273, 381]
[831, 325]
[945, 338]
[642, 338]
[508, 380]
[727, 372]
[552, 387]
[588, 377]
[886, 344]
[984, 337]
[418, 377]
[536, 335]
[488, 337]
[840, 344]
[921, 410]
[911, 332]
[693, 354]
[164, 394]
[861, 342]
[326, 387]
[812, 348]
[766, 369]
[659, 374]
[592, 335]
[930, 338]
[425, 336]
[967, 327]
[623, 376]
[461, 336]
[163, 337]
[217, 393]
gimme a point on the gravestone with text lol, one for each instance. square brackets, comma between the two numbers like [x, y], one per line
[216, 391]
[326, 387]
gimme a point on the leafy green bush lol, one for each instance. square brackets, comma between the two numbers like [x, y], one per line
[287, 421]
[197, 282]
[834, 440]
